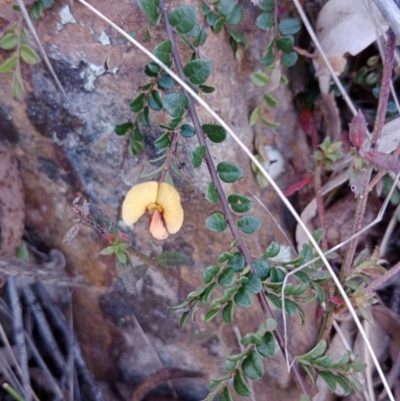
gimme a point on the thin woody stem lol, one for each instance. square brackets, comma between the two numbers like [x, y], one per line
[174, 135]
[218, 186]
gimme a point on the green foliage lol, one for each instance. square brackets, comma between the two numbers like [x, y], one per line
[214, 132]
[198, 71]
[249, 224]
[330, 153]
[197, 155]
[229, 172]
[216, 222]
[183, 18]
[119, 249]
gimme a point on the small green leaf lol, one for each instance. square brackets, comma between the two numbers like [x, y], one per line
[155, 102]
[165, 82]
[9, 41]
[183, 18]
[163, 51]
[172, 258]
[149, 7]
[163, 141]
[252, 366]
[285, 43]
[240, 203]
[249, 224]
[266, 5]
[271, 101]
[209, 273]
[200, 38]
[122, 257]
[174, 122]
[255, 116]
[237, 262]
[211, 18]
[289, 26]
[198, 71]
[219, 24]
[122, 129]
[206, 89]
[152, 69]
[251, 338]
[175, 104]
[329, 378]
[229, 172]
[265, 21]
[18, 86]
[243, 297]
[276, 275]
[144, 116]
[211, 314]
[214, 132]
[47, 3]
[187, 131]
[204, 9]
[29, 55]
[316, 352]
[108, 251]
[235, 16]
[138, 103]
[205, 296]
[268, 58]
[216, 222]
[212, 195]
[289, 59]
[184, 317]
[272, 251]
[253, 284]
[227, 312]
[267, 346]
[262, 269]
[240, 385]
[8, 65]
[227, 277]
[197, 155]
[259, 79]
[225, 395]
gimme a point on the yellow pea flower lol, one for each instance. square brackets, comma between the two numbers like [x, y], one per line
[161, 200]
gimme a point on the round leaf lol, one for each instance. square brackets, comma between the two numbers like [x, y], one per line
[209, 273]
[229, 172]
[266, 5]
[289, 59]
[240, 385]
[262, 269]
[122, 129]
[152, 69]
[249, 224]
[265, 21]
[272, 251]
[29, 55]
[240, 203]
[227, 277]
[235, 16]
[285, 43]
[216, 222]
[214, 132]
[183, 18]
[165, 82]
[243, 297]
[267, 346]
[162, 51]
[8, 65]
[219, 24]
[149, 7]
[9, 41]
[268, 58]
[175, 104]
[198, 71]
[154, 101]
[237, 262]
[289, 26]
[200, 38]
[187, 130]
[211, 194]
[276, 275]
[252, 366]
[253, 284]
[197, 155]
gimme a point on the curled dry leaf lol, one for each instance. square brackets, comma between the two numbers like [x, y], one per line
[12, 206]
[358, 130]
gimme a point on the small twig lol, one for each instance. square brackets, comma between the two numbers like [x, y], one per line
[33, 32]
[380, 281]
[169, 155]
[224, 204]
[22, 355]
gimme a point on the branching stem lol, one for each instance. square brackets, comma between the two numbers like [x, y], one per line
[218, 186]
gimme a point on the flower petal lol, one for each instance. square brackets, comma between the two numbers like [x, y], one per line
[170, 201]
[137, 199]
[157, 226]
